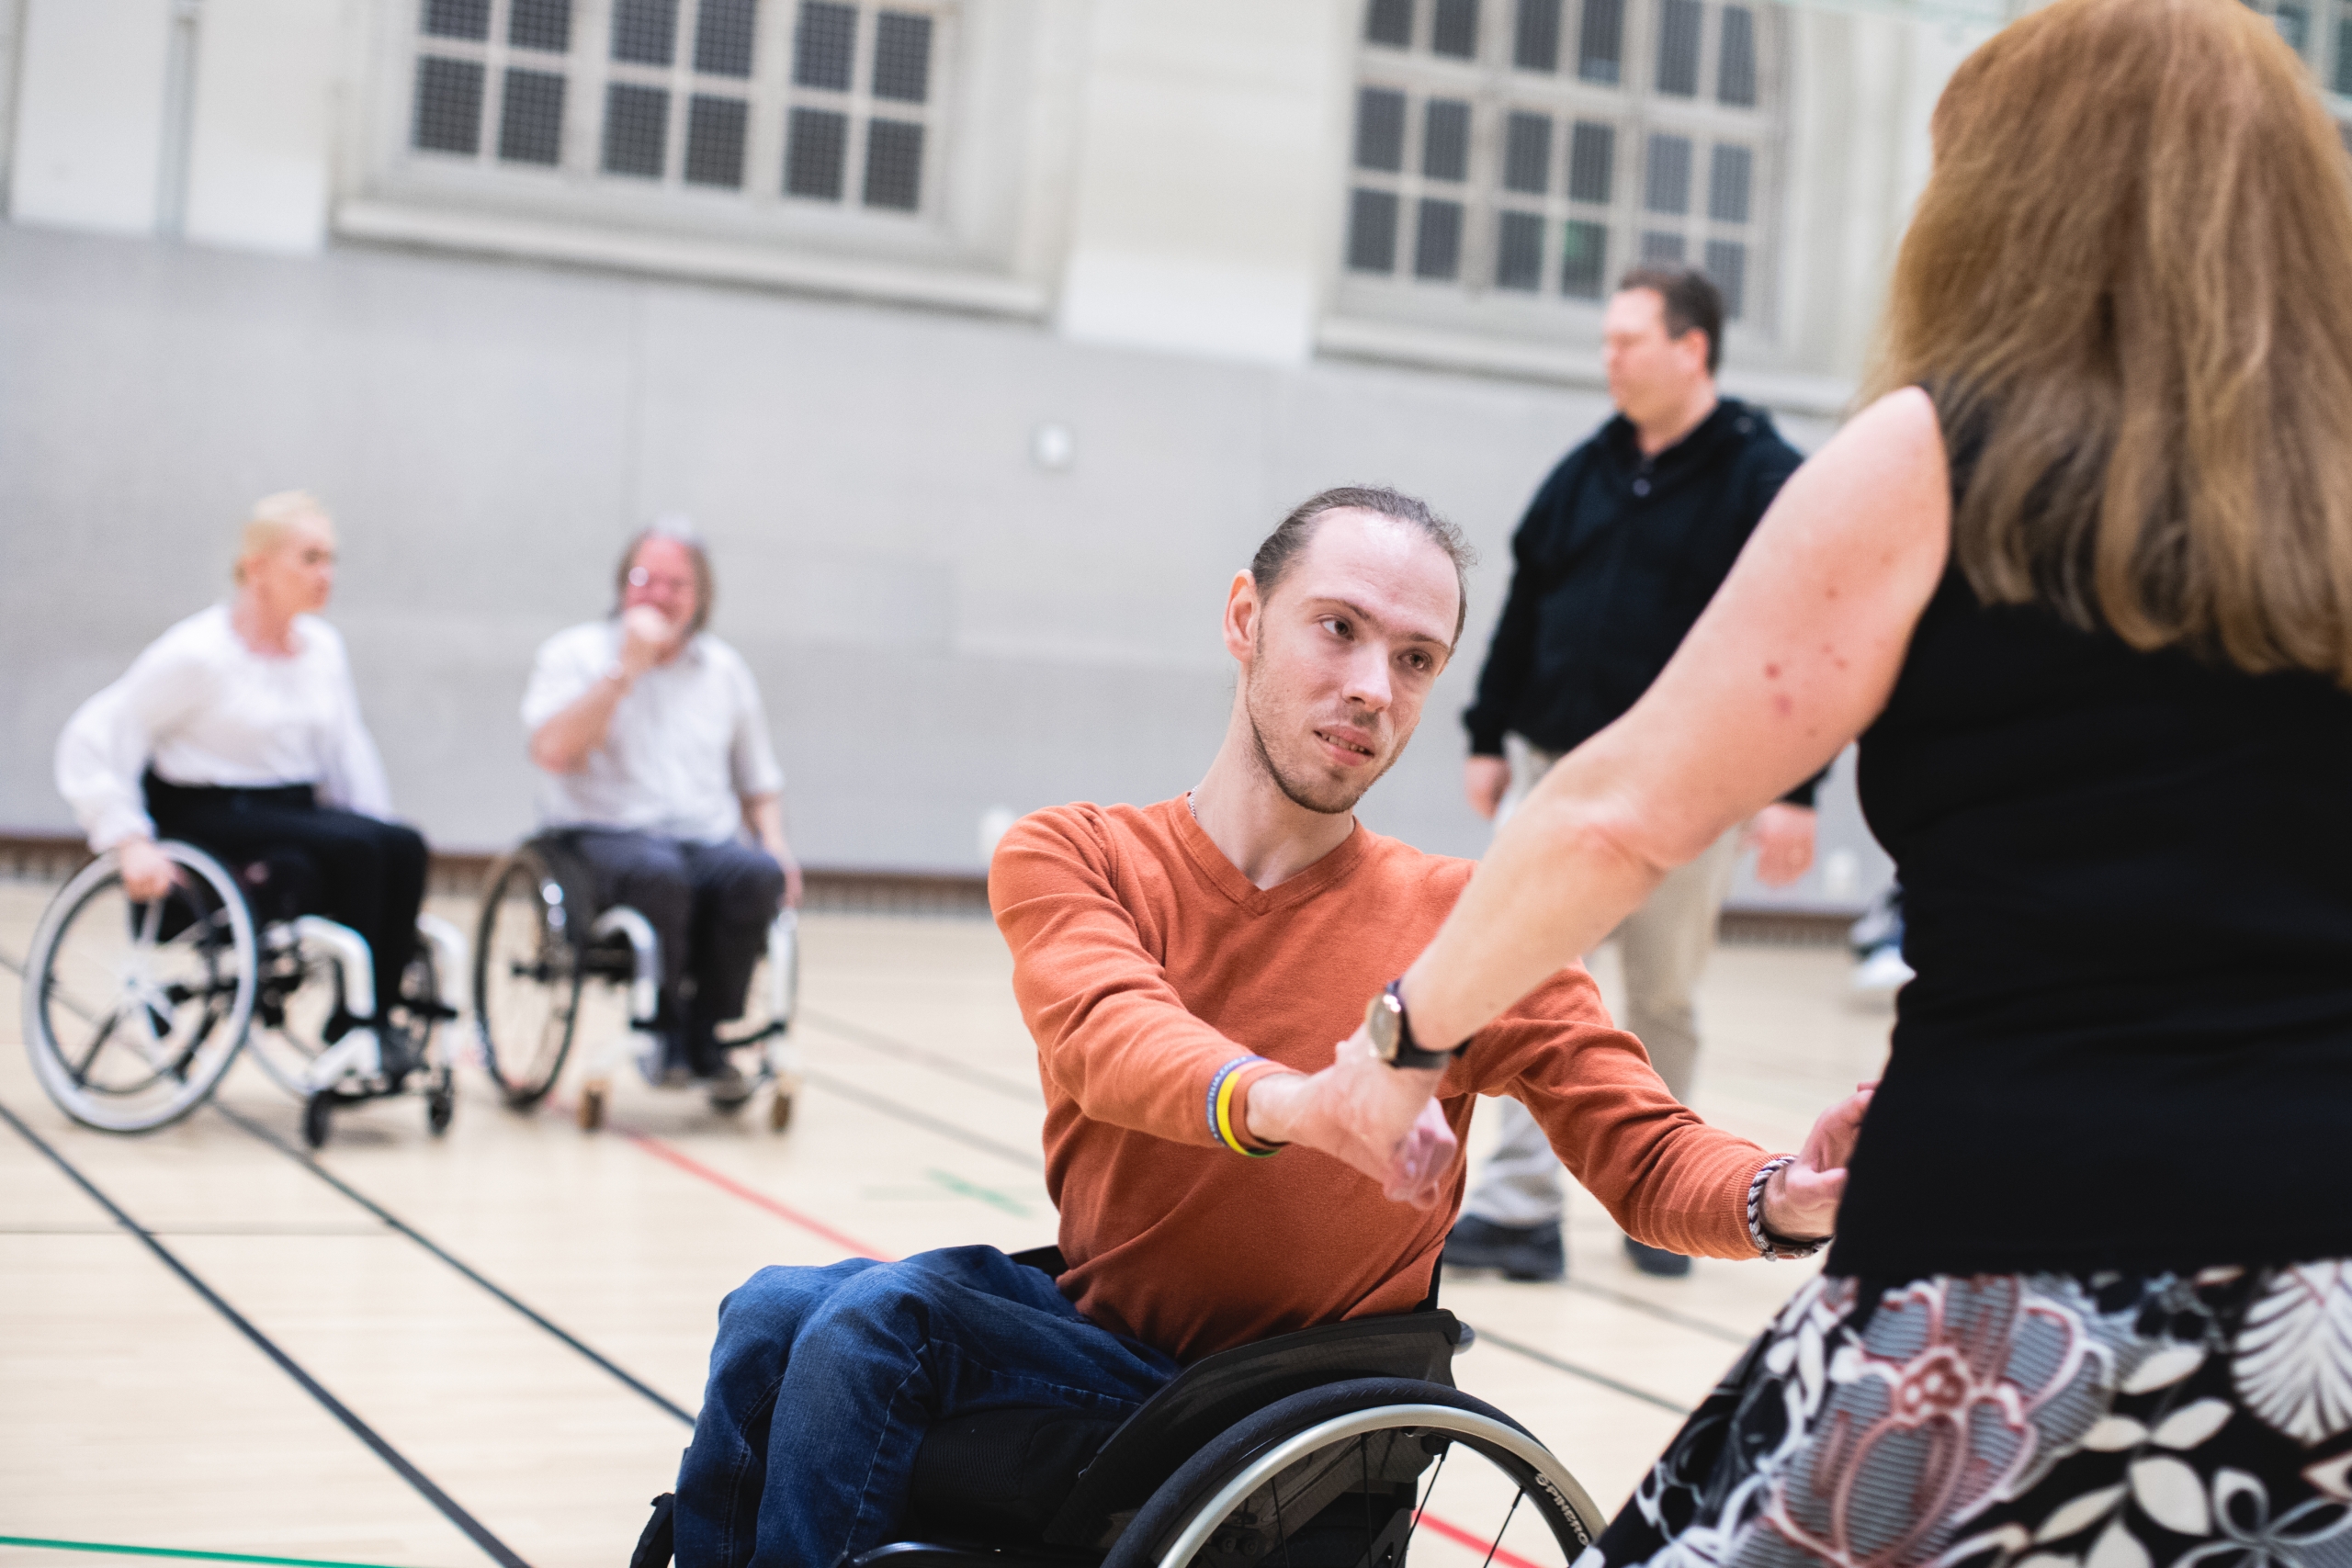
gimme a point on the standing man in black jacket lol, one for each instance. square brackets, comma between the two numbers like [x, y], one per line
[1618, 554]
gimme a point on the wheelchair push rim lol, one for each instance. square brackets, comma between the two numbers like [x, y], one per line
[129, 1027]
[1192, 1521]
[529, 975]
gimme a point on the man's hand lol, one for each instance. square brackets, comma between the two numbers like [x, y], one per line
[646, 639]
[1485, 780]
[1379, 1119]
[1801, 1199]
[1783, 835]
[147, 872]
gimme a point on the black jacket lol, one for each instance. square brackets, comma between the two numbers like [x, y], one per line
[1617, 556]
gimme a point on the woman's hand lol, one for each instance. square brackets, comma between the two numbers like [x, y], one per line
[1382, 1121]
[1801, 1199]
[147, 872]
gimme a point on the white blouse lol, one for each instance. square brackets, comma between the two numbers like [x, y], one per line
[201, 708]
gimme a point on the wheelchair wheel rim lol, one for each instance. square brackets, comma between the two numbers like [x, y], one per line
[1571, 1516]
[527, 981]
[130, 1029]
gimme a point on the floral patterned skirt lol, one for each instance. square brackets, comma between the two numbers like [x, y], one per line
[2044, 1421]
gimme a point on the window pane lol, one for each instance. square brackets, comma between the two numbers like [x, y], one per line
[1727, 265]
[1661, 247]
[1519, 252]
[1527, 153]
[823, 44]
[1371, 230]
[530, 123]
[814, 146]
[2294, 21]
[1736, 70]
[902, 57]
[723, 38]
[645, 31]
[448, 105]
[637, 130]
[1437, 242]
[1389, 22]
[1677, 47]
[1584, 260]
[540, 24]
[715, 130]
[457, 19]
[893, 164]
[1669, 174]
[1380, 130]
[1456, 31]
[1727, 184]
[1445, 139]
[1536, 46]
[1592, 158]
[1601, 45]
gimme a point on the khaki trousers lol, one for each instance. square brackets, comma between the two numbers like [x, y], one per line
[1662, 948]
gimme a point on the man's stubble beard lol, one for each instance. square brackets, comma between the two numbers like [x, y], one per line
[1291, 790]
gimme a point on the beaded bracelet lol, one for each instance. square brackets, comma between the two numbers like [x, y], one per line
[1770, 1247]
[1221, 1109]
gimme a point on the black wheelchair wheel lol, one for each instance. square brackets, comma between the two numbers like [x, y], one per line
[1355, 1474]
[132, 1011]
[528, 972]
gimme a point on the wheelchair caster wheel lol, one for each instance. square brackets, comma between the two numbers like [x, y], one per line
[779, 1110]
[592, 1108]
[440, 1104]
[315, 1112]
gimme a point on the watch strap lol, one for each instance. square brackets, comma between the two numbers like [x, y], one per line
[1409, 1054]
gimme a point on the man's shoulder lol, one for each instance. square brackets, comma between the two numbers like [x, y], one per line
[1757, 440]
[1081, 843]
[1086, 824]
[1402, 866]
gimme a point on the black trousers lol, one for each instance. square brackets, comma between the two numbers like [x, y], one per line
[295, 857]
[710, 904]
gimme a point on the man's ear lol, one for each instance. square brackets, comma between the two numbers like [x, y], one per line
[1242, 608]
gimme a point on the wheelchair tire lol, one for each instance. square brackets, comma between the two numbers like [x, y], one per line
[1223, 1508]
[130, 1026]
[317, 1113]
[529, 969]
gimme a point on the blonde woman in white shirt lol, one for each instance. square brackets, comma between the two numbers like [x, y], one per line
[238, 730]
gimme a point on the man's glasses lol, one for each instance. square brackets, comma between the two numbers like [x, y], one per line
[641, 578]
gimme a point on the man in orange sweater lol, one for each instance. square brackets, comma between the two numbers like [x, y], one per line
[1222, 1170]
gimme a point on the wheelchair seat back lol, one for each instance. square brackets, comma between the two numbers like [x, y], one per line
[1070, 1478]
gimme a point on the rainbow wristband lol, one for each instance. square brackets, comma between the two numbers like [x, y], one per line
[1220, 1108]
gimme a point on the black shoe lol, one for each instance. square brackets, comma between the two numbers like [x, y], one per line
[1657, 1260]
[728, 1088]
[1533, 1253]
[654, 1547]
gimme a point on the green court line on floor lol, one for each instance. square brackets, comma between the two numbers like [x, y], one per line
[987, 1195]
[115, 1551]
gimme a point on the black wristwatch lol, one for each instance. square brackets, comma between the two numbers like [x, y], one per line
[1392, 1033]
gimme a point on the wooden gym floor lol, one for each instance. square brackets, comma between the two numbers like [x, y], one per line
[433, 1354]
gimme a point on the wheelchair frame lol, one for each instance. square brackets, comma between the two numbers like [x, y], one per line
[619, 949]
[241, 973]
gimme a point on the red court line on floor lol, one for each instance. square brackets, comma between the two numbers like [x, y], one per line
[751, 1195]
[1461, 1536]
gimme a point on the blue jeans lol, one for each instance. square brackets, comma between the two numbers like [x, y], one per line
[824, 1381]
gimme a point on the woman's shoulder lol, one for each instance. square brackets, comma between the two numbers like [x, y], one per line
[204, 638]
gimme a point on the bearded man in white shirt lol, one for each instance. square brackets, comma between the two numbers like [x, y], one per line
[657, 772]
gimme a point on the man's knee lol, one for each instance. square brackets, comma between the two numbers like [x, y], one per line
[749, 888]
[767, 1312]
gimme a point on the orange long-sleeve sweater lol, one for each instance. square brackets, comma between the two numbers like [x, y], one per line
[1143, 960]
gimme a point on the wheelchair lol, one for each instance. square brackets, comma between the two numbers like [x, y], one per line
[542, 941]
[1338, 1446]
[133, 1012]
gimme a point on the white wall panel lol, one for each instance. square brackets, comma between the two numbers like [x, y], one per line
[90, 114]
[260, 139]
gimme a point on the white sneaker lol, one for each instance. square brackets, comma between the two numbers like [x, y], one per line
[1881, 971]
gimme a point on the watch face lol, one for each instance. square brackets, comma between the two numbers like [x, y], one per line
[1384, 1021]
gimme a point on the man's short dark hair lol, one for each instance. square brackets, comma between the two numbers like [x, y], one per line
[1692, 300]
[1295, 531]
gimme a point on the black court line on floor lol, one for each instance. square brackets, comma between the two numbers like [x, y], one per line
[1663, 1314]
[449, 1508]
[393, 1221]
[1558, 1364]
[890, 1045]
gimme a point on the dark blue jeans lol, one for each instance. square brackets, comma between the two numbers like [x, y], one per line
[823, 1382]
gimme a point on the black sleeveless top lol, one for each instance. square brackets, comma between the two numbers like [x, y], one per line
[2127, 885]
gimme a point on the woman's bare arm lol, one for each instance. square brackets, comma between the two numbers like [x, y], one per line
[1795, 656]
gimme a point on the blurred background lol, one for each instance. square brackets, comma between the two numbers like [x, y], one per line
[983, 339]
